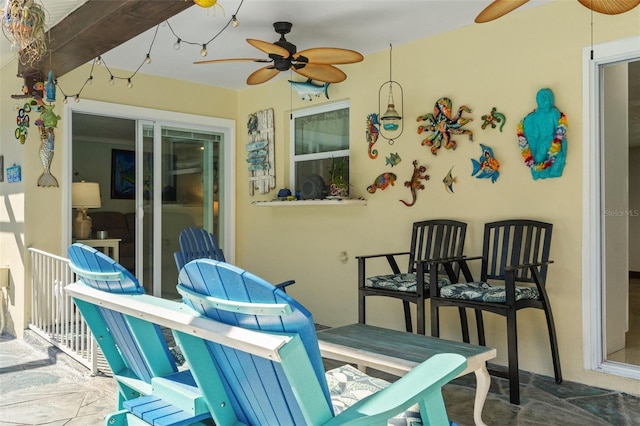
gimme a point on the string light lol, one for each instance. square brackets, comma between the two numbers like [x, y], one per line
[147, 60]
[203, 51]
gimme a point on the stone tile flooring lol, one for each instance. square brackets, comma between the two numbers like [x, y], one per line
[39, 385]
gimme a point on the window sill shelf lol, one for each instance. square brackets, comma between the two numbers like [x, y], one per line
[325, 202]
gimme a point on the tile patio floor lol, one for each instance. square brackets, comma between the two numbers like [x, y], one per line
[39, 385]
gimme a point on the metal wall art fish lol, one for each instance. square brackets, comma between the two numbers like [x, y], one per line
[486, 167]
[393, 159]
[449, 180]
[47, 144]
[306, 89]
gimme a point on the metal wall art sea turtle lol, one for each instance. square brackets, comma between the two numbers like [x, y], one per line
[442, 125]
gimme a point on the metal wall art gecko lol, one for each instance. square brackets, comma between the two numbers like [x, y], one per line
[415, 183]
[442, 125]
[493, 118]
[372, 132]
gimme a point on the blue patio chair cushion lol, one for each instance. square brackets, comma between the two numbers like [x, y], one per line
[348, 385]
[402, 282]
[485, 292]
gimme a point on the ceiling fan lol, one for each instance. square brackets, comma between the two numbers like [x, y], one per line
[500, 8]
[316, 64]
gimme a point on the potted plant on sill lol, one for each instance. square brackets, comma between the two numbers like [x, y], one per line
[339, 184]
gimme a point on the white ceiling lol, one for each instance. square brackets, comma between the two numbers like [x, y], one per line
[365, 26]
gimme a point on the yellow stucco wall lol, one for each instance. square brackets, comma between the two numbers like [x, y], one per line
[500, 64]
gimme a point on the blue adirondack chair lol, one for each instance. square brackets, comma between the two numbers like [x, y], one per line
[197, 243]
[249, 389]
[136, 350]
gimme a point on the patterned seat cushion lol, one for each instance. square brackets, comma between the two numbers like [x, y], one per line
[348, 385]
[485, 292]
[402, 282]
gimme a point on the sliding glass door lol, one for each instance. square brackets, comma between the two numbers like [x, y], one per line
[183, 178]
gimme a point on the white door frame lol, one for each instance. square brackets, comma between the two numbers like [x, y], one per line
[212, 124]
[592, 215]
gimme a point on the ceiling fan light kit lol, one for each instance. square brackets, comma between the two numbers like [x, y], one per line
[316, 63]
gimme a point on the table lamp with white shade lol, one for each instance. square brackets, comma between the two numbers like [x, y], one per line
[84, 195]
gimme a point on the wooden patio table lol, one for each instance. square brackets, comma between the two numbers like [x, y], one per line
[397, 352]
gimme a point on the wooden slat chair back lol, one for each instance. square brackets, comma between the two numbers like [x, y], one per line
[516, 243]
[514, 251]
[197, 243]
[135, 350]
[128, 357]
[430, 239]
[292, 390]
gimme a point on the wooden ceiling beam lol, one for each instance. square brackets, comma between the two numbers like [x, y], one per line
[97, 27]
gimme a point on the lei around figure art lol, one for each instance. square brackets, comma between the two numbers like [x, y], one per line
[541, 137]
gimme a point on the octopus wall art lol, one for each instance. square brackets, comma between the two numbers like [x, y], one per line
[442, 125]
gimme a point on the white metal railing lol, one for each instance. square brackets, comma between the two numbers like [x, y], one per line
[53, 314]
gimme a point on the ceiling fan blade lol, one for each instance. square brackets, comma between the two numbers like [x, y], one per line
[321, 72]
[610, 7]
[211, 61]
[268, 48]
[329, 55]
[497, 9]
[262, 75]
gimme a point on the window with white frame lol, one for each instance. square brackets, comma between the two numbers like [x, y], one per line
[319, 138]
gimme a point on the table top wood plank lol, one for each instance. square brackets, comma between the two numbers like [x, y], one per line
[393, 351]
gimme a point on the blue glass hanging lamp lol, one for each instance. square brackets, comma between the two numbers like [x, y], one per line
[392, 124]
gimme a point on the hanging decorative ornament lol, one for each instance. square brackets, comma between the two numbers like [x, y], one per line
[23, 25]
[210, 3]
[392, 125]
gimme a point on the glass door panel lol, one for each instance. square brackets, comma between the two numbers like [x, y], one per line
[145, 196]
[190, 164]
